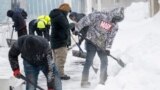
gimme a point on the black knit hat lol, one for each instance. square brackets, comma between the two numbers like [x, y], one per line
[10, 13]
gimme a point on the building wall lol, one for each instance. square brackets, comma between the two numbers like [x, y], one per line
[6, 5]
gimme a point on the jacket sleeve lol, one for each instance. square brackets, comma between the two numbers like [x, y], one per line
[51, 75]
[19, 21]
[13, 56]
[111, 36]
[15, 20]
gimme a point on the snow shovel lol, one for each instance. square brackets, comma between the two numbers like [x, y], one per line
[11, 40]
[29, 81]
[81, 54]
[119, 61]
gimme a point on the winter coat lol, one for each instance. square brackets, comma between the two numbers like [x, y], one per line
[19, 21]
[78, 17]
[22, 11]
[38, 53]
[102, 29]
[60, 31]
[33, 49]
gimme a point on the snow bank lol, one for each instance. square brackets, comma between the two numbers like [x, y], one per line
[138, 42]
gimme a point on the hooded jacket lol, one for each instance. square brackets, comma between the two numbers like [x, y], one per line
[78, 17]
[33, 49]
[19, 21]
[102, 28]
[60, 31]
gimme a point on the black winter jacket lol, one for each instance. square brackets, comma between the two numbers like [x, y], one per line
[19, 21]
[60, 34]
[35, 54]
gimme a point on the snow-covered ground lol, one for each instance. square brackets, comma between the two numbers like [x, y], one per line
[137, 43]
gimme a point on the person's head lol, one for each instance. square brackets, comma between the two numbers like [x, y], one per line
[117, 14]
[72, 16]
[10, 13]
[65, 7]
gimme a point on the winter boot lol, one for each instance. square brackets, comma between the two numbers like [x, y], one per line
[85, 84]
[65, 77]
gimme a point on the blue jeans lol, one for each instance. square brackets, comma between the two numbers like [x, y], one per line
[32, 73]
[91, 51]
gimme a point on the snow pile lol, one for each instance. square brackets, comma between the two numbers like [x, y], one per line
[139, 46]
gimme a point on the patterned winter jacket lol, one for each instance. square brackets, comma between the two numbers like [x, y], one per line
[40, 54]
[102, 29]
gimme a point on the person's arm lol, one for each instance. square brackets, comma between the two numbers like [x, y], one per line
[111, 36]
[13, 56]
[50, 62]
[31, 28]
[15, 20]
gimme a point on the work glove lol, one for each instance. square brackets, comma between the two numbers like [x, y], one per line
[72, 26]
[107, 52]
[75, 32]
[17, 73]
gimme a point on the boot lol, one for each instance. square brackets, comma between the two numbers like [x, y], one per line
[65, 77]
[85, 84]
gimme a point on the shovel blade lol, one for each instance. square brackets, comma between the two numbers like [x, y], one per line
[121, 63]
[79, 54]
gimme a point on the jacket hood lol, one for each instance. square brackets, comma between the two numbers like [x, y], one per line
[117, 14]
[56, 12]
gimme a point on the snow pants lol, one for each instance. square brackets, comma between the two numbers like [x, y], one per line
[91, 51]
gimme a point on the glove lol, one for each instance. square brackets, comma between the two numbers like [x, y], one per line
[75, 32]
[17, 73]
[73, 29]
[72, 26]
[107, 52]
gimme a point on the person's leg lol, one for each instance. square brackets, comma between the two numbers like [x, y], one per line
[30, 73]
[57, 81]
[60, 55]
[103, 69]
[91, 51]
[39, 32]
